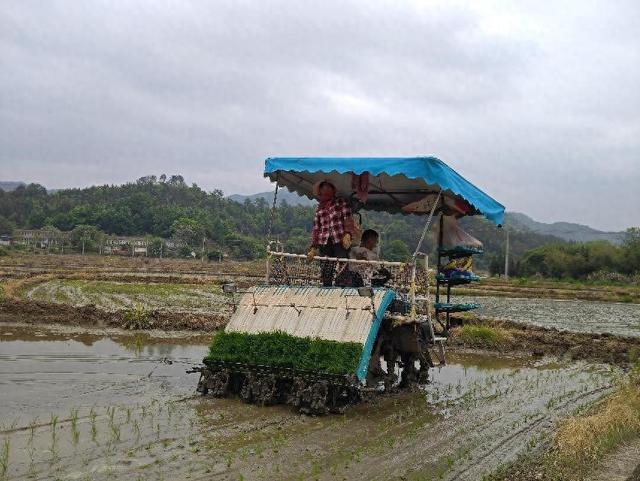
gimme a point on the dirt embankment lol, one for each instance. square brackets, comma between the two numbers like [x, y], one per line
[504, 336]
[492, 335]
[552, 290]
[14, 307]
[19, 310]
[507, 336]
[20, 266]
[108, 267]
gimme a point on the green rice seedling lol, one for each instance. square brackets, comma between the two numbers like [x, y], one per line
[94, 429]
[54, 423]
[75, 434]
[32, 430]
[32, 465]
[115, 432]
[136, 430]
[137, 317]
[450, 462]
[4, 459]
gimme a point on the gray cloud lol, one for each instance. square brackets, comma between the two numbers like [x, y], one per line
[537, 104]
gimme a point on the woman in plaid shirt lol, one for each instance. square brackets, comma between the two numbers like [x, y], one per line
[332, 229]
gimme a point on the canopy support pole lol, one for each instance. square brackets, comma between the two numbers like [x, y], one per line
[273, 209]
[426, 227]
[270, 228]
[415, 255]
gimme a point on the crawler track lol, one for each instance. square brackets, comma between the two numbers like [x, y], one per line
[311, 392]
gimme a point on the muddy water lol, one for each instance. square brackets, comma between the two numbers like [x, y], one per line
[82, 406]
[571, 315]
[44, 372]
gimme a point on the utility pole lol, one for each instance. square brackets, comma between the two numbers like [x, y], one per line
[203, 242]
[506, 257]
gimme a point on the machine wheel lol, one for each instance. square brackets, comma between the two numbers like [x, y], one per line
[265, 390]
[314, 398]
[246, 391]
[217, 383]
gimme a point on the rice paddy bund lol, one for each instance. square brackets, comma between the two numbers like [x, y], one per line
[112, 296]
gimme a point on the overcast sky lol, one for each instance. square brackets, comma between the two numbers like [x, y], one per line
[536, 102]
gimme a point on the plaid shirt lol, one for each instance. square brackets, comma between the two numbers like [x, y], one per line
[331, 222]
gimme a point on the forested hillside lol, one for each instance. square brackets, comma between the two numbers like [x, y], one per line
[160, 206]
[167, 206]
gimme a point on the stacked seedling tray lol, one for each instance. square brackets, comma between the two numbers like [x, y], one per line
[443, 303]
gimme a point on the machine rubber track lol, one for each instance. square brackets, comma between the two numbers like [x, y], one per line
[312, 392]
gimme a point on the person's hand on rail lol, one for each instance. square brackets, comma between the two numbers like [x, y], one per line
[346, 241]
[313, 251]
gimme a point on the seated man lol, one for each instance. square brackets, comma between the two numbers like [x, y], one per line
[367, 274]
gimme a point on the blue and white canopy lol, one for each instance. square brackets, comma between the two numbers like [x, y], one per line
[394, 182]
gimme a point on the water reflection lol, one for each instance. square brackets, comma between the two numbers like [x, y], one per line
[44, 371]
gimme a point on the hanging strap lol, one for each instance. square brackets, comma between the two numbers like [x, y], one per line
[273, 209]
[426, 226]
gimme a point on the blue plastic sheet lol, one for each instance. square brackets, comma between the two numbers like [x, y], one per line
[402, 175]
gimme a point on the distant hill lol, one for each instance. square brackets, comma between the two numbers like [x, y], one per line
[8, 185]
[564, 230]
[283, 194]
[567, 231]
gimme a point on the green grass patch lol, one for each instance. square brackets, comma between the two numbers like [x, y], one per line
[137, 317]
[482, 335]
[284, 350]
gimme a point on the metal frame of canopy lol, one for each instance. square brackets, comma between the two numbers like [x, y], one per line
[396, 182]
[393, 181]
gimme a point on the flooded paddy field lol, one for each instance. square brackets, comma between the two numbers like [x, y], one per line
[552, 289]
[90, 405]
[622, 319]
[119, 268]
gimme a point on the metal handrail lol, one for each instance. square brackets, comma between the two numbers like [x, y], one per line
[336, 259]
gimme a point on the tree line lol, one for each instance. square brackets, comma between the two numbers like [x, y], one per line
[587, 260]
[166, 206]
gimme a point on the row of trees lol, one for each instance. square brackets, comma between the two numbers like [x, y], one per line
[165, 206]
[582, 259]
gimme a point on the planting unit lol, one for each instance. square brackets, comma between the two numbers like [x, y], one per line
[318, 348]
